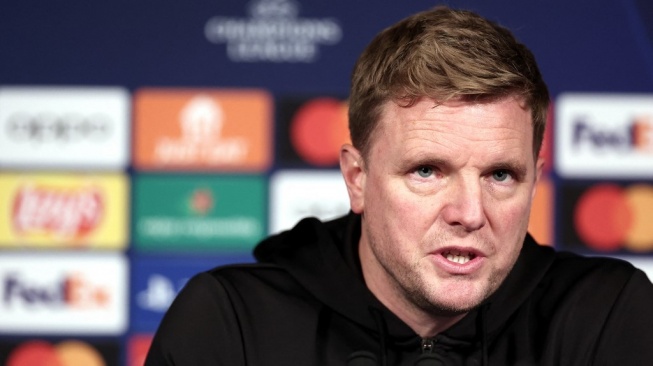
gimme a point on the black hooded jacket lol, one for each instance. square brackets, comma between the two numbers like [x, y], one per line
[306, 303]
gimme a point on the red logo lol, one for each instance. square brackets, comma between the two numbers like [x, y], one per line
[318, 130]
[65, 213]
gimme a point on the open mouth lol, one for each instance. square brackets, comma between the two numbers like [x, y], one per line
[457, 256]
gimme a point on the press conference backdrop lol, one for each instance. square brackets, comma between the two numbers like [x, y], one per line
[144, 141]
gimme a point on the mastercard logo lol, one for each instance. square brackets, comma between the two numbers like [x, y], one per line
[67, 353]
[609, 217]
[318, 129]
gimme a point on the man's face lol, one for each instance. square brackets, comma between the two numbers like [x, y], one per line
[445, 196]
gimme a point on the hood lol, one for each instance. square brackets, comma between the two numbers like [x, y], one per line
[323, 258]
[320, 256]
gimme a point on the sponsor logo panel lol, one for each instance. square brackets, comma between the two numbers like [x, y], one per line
[63, 293]
[217, 130]
[64, 127]
[223, 213]
[311, 131]
[63, 210]
[540, 224]
[604, 136]
[65, 352]
[156, 281]
[137, 349]
[296, 194]
[273, 32]
[607, 217]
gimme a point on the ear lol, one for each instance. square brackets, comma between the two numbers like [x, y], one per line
[353, 171]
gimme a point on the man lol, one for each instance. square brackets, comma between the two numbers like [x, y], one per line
[433, 266]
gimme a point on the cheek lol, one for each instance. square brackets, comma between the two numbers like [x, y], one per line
[509, 218]
[395, 214]
[405, 212]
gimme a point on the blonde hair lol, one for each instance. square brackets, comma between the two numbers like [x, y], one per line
[443, 54]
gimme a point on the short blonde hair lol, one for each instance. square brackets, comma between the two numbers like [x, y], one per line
[443, 54]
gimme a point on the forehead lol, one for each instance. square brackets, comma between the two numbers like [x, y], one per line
[503, 125]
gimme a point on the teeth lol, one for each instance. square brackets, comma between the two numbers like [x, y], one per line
[458, 257]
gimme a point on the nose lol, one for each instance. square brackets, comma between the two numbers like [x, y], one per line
[464, 205]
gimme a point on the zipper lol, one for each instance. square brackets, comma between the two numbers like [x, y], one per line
[427, 345]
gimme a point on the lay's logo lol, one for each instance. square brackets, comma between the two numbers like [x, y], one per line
[65, 213]
[221, 130]
[63, 210]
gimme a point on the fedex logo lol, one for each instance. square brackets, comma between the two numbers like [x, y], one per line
[71, 291]
[638, 135]
[600, 136]
[55, 293]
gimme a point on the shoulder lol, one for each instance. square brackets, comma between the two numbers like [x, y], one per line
[594, 291]
[215, 310]
[303, 238]
[241, 277]
[242, 286]
[600, 278]
[607, 304]
[576, 269]
[596, 309]
[201, 314]
[221, 291]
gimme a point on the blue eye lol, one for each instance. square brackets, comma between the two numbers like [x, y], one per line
[500, 175]
[424, 171]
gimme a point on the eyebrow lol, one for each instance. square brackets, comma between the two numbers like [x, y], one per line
[425, 161]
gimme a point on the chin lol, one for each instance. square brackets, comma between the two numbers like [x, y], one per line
[462, 301]
[458, 306]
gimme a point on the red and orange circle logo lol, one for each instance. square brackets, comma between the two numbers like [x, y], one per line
[608, 217]
[67, 353]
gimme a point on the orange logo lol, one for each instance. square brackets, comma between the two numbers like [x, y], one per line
[216, 130]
